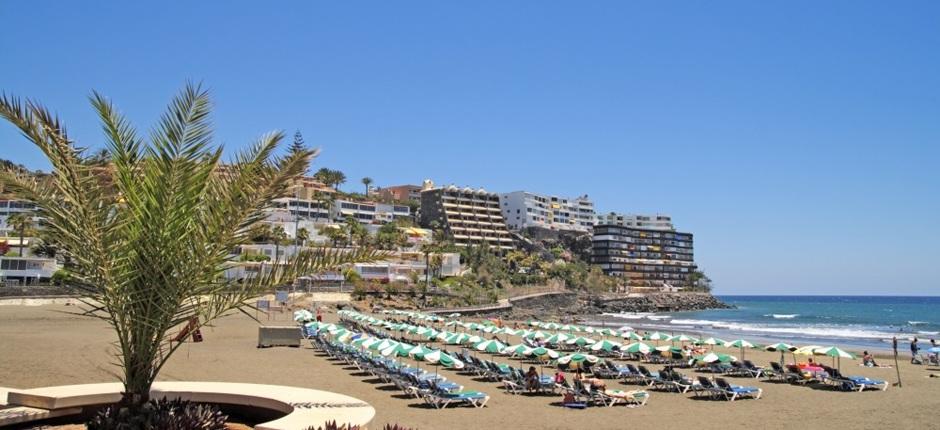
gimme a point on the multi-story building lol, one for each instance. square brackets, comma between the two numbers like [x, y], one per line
[523, 210]
[660, 222]
[469, 217]
[368, 212]
[10, 207]
[647, 257]
[401, 193]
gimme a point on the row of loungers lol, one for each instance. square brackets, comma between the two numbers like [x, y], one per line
[831, 376]
[433, 389]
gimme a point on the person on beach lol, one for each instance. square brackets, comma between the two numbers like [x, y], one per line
[319, 315]
[532, 379]
[868, 360]
[560, 377]
[914, 350]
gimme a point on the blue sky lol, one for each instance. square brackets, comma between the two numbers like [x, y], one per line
[797, 140]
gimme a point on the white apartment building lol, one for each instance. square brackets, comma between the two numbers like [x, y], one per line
[649, 222]
[368, 212]
[522, 210]
[27, 270]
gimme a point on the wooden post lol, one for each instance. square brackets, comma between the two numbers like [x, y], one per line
[897, 367]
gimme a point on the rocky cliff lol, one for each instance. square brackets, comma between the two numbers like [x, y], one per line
[563, 306]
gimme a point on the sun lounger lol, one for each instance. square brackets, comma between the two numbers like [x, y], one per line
[854, 383]
[732, 392]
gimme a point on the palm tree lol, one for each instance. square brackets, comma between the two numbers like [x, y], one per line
[20, 222]
[367, 181]
[149, 248]
[338, 178]
[278, 235]
[301, 236]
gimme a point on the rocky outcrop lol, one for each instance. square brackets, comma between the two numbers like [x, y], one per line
[657, 302]
[562, 307]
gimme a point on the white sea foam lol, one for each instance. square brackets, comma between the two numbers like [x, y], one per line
[814, 331]
[658, 317]
[785, 316]
[630, 316]
[918, 322]
[932, 333]
[693, 322]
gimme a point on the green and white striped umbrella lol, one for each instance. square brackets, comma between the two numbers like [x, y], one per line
[740, 343]
[577, 361]
[833, 351]
[543, 353]
[401, 350]
[490, 346]
[473, 340]
[452, 323]
[683, 338]
[605, 345]
[419, 352]
[519, 349]
[457, 339]
[780, 347]
[713, 357]
[361, 341]
[657, 336]
[383, 345]
[807, 350]
[569, 327]
[637, 348]
[631, 335]
[442, 336]
[538, 334]
[580, 341]
[303, 315]
[557, 338]
[713, 341]
[444, 359]
[551, 326]
[607, 332]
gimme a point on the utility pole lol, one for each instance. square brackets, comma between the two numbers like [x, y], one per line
[894, 344]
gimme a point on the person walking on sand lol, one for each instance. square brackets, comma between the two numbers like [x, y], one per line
[914, 349]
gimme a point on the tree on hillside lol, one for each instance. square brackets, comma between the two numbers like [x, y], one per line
[297, 146]
[332, 178]
[150, 248]
[699, 281]
[367, 181]
[278, 236]
[100, 157]
[390, 236]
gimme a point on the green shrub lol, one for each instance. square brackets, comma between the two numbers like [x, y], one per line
[160, 414]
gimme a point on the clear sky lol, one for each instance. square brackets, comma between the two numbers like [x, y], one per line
[799, 141]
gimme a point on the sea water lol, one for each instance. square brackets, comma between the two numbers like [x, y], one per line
[857, 321]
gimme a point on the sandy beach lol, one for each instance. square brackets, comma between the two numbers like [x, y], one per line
[43, 346]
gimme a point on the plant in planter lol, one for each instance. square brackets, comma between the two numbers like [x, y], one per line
[149, 231]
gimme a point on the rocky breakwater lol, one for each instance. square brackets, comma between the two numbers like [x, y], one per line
[652, 302]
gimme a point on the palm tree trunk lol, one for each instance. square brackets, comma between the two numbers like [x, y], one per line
[22, 235]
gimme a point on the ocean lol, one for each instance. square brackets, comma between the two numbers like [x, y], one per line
[862, 322]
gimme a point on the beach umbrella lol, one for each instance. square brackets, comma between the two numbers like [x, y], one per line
[557, 338]
[713, 357]
[457, 338]
[807, 350]
[452, 323]
[303, 315]
[740, 344]
[569, 327]
[538, 334]
[543, 353]
[782, 347]
[473, 340]
[836, 354]
[631, 335]
[580, 341]
[577, 361]
[400, 350]
[519, 349]
[383, 345]
[607, 332]
[551, 326]
[490, 346]
[443, 335]
[604, 345]
[682, 338]
[454, 315]
[637, 348]
[438, 357]
[418, 352]
[712, 341]
[669, 351]
[657, 336]
[625, 328]
[360, 342]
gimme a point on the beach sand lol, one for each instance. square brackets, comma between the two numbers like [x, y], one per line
[42, 346]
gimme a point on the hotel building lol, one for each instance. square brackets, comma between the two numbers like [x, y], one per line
[469, 217]
[660, 222]
[646, 257]
[523, 210]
